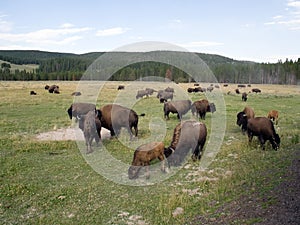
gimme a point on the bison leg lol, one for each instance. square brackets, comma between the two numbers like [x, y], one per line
[147, 171]
[162, 161]
[262, 141]
[167, 115]
[274, 144]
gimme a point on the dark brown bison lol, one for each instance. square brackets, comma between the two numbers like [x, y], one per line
[47, 87]
[180, 107]
[143, 155]
[237, 91]
[243, 116]
[91, 126]
[80, 108]
[53, 89]
[114, 117]
[263, 128]
[273, 115]
[202, 107]
[32, 93]
[244, 96]
[256, 90]
[121, 87]
[196, 84]
[241, 85]
[187, 135]
[190, 90]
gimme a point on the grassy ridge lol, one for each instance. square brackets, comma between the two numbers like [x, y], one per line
[49, 182]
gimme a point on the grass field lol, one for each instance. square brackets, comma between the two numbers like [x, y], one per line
[51, 182]
[26, 67]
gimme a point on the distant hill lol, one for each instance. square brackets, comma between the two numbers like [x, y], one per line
[69, 66]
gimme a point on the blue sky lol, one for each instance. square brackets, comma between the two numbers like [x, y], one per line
[261, 31]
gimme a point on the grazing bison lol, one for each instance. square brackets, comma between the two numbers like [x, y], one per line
[32, 93]
[141, 94]
[237, 91]
[168, 89]
[76, 93]
[180, 107]
[121, 87]
[164, 96]
[47, 87]
[114, 117]
[273, 115]
[210, 88]
[243, 116]
[263, 128]
[256, 90]
[201, 107]
[143, 155]
[187, 135]
[53, 89]
[150, 91]
[196, 84]
[190, 90]
[244, 96]
[241, 85]
[91, 126]
[80, 108]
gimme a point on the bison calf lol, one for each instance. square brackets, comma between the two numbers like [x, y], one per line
[273, 115]
[143, 155]
[91, 127]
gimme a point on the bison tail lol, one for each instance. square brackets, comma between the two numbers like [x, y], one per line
[143, 114]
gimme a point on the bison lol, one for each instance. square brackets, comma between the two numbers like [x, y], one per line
[243, 116]
[114, 117]
[150, 91]
[91, 126]
[121, 87]
[168, 89]
[180, 107]
[256, 90]
[187, 135]
[53, 89]
[273, 115]
[143, 155]
[32, 93]
[76, 93]
[201, 107]
[141, 94]
[244, 96]
[80, 108]
[263, 128]
[164, 96]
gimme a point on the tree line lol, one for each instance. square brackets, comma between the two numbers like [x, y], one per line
[64, 66]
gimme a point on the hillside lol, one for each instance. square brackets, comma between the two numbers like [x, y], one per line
[69, 66]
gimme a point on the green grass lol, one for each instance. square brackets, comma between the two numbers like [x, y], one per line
[26, 67]
[50, 182]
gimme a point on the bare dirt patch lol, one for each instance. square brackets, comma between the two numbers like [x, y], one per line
[66, 134]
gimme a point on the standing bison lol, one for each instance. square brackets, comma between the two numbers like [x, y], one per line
[202, 107]
[187, 135]
[179, 107]
[141, 94]
[91, 126]
[80, 108]
[243, 116]
[114, 117]
[244, 96]
[263, 128]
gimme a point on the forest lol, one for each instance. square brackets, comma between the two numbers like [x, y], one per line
[67, 66]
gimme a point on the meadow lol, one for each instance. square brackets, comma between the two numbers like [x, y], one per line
[54, 182]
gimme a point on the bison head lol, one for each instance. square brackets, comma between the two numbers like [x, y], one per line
[133, 172]
[242, 120]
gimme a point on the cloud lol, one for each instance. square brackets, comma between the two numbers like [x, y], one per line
[111, 32]
[291, 19]
[66, 34]
[5, 26]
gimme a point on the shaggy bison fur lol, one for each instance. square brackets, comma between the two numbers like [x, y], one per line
[187, 135]
[273, 115]
[91, 126]
[200, 108]
[263, 128]
[143, 155]
[180, 107]
[80, 108]
[243, 116]
[114, 117]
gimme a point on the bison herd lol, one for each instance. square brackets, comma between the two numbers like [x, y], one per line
[187, 135]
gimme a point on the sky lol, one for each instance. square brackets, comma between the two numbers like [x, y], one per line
[255, 30]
